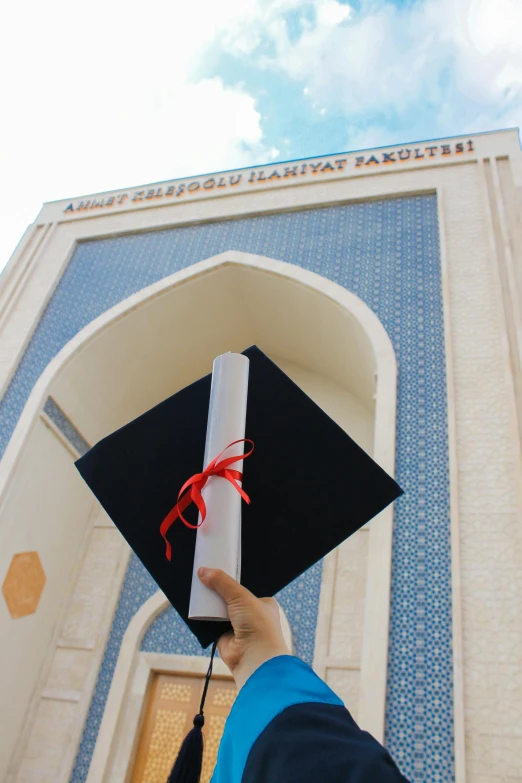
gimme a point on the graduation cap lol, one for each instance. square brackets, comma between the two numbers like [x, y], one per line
[310, 486]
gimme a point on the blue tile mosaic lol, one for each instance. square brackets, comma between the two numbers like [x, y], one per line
[386, 252]
[66, 426]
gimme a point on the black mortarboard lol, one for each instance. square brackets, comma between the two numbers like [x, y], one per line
[311, 486]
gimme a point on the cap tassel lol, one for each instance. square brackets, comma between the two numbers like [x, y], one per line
[187, 767]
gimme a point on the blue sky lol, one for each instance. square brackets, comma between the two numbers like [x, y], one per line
[111, 94]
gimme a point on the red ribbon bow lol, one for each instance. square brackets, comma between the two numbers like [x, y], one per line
[193, 486]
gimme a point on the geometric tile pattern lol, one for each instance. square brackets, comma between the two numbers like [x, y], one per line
[66, 427]
[224, 697]
[387, 253]
[167, 736]
[173, 690]
[213, 734]
[23, 585]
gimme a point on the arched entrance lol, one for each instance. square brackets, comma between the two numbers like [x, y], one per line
[156, 342]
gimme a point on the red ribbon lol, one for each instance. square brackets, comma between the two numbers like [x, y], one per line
[193, 486]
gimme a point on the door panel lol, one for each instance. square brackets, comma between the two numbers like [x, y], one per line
[173, 702]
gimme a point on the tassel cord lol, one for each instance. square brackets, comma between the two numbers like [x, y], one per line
[188, 765]
[207, 679]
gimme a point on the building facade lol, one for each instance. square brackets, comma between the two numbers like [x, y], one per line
[388, 284]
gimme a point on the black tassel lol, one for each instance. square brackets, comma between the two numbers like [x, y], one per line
[187, 767]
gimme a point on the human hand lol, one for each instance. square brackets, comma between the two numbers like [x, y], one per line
[256, 636]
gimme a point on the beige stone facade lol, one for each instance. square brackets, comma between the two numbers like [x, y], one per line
[336, 348]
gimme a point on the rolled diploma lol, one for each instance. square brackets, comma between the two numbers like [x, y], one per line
[218, 540]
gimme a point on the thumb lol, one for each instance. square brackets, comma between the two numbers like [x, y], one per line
[230, 590]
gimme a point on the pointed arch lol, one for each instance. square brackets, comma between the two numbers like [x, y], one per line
[299, 317]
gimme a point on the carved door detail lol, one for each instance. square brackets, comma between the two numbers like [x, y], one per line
[172, 704]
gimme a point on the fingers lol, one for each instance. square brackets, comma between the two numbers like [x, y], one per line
[230, 590]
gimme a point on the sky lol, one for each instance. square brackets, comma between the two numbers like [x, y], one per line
[114, 93]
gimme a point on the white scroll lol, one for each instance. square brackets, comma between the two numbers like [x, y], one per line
[218, 540]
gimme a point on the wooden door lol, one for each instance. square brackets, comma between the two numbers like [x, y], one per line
[172, 704]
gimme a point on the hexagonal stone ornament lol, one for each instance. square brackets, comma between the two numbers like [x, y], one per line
[24, 584]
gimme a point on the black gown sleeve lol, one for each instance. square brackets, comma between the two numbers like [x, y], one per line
[288, 726]
[312, 743]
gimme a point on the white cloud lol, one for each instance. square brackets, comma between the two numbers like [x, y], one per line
[110, 94]
[106, 95]
[442, 66]
[331, 13]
